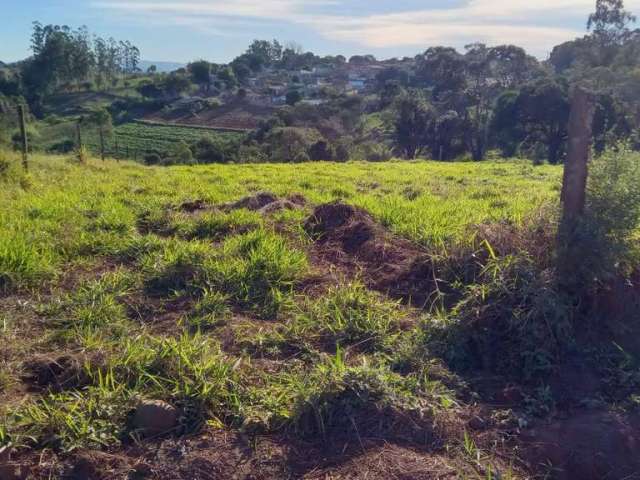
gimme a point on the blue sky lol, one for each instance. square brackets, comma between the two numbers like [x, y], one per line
[218, 30]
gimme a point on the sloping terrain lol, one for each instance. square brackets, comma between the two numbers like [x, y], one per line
[314, 321]
[238, 115]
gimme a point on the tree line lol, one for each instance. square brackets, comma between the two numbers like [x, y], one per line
[63, 56]
[500, 97]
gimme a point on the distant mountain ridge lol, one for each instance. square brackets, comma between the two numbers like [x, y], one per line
[162, 66]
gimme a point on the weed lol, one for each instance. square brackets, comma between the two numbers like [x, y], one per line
[513, 306]
[258, 271]
[23, 261]
[211, 310]
[180, 266]
[348, 315]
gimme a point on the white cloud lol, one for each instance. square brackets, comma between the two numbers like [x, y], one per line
[535, 25]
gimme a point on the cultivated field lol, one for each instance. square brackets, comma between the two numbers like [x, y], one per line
[278, 321]
[128, 140]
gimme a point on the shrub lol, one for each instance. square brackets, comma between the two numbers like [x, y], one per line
[152, 159]
[251, 154]
[321, 150]
[602, 245]
[181, 154]
[511, 321]
[343, 149]
[374, 152]
[208, 150]
[292, 144]
[65, 146]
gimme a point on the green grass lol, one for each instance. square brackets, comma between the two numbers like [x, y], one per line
[226, 314]
[69, 211]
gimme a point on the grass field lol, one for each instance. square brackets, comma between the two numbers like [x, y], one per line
[273, 342]
[129, 140]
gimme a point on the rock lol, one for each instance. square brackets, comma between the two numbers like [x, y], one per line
[155, 417]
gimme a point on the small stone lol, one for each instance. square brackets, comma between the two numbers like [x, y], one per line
[155, 417]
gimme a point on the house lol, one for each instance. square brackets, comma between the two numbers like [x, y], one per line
[313, 101]
[357, 83]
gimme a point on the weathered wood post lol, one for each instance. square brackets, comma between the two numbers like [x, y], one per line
[79, 140]
[102, 142]
[574, 188]
[576, 170]
[23, 134]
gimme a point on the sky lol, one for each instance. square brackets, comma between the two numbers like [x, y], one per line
[219, 30]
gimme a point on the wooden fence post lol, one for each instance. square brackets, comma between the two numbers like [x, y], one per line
[102, 142]
[574, 188]
[23, 134]
[576, 170]
[81, 157]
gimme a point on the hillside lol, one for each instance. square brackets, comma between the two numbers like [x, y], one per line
[235, 115]
[312, 321]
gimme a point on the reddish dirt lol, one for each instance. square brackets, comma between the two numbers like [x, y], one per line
[238, 115]
[348, 237]
[65, 372]
[221, 455]
[265, 203]
[589, 445]
[253, 202]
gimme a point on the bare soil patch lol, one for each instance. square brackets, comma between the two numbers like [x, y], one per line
[589, 445]
[348, 237]
[59, 373]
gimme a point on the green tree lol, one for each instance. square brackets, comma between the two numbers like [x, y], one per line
[293, 97]
[176, 84]
[413, 124]
[201, 73]
[610, 22]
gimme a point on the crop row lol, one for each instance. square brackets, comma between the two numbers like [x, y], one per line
[127, 140]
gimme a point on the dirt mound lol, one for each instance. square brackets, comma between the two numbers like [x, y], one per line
[58, 374]
[267, 203]
[349, 237]
[588, 446]
[254, 202]
[277, 206]
[193, 206]
[297, 199]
